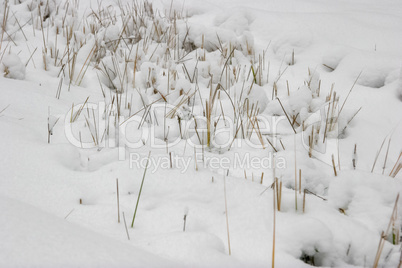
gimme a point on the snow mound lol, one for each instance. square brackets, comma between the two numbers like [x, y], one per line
[333, 57]
[291, 42]
[372, 68]
[366, 197]
[12, 67]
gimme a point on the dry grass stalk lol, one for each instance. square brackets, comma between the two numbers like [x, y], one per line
[4, 109]
[139, 194]
[30, 57]
[58, 92]
[4, 24]
[125, 225]
[69, 214]
[274, 217]
[90, 130]
[295, 173]
[386, 156]
[378, 153]
[226, 212]
[397, 167]
[384, 235]
[333, 165]
[278, 193]
[350, 91]
[270, 143]
[118, 201]
[195, 160]
[286, 115]
[79, 111]
[299, 181]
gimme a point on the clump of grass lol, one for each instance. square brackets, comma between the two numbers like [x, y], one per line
[4, 26]
[277, 186]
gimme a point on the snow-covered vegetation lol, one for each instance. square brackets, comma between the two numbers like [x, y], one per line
[197, 134]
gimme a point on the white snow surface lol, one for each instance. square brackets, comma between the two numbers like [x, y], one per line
[32, 237]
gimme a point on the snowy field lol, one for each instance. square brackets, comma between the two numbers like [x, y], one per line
[259, 133]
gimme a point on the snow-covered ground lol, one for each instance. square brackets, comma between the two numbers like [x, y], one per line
[194, 108]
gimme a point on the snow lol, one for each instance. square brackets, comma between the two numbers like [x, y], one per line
[37, 238]
[152, 82]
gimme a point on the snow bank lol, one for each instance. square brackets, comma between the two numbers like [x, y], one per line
[31, 237]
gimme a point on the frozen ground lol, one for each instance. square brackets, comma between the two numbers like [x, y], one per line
[167, 70]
